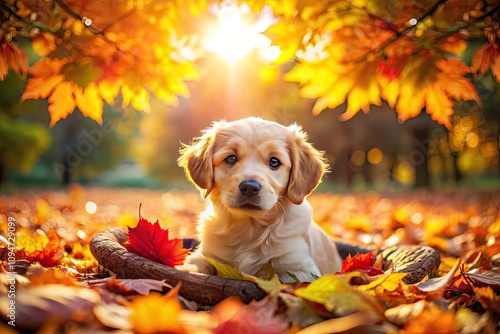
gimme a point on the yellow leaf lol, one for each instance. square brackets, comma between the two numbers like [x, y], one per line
[109, 90]
[270, 286]
[225, 270]
[127, 95]
[335, 97]
[89, 102]
[302, 72]
[411, 101]
[389, 90]
[413, 86]
[289, 35]
[365, 90]
[338, 297]
[268, 74]
[62, 102]
[285, 8]
[387, 282]
[140, 100]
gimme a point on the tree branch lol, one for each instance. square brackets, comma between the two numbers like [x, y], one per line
[77, 16]
[398, 35]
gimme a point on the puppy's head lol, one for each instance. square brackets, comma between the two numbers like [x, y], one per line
[248, 165]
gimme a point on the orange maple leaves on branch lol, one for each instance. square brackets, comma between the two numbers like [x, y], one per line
[360, 52]
[400, 52]
[93, 51]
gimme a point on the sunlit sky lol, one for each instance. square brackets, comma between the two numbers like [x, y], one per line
[233, 38]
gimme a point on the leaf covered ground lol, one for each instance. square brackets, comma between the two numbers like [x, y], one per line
[51, 283]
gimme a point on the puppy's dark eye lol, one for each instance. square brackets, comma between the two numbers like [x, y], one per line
[231, 160]
[274, 163]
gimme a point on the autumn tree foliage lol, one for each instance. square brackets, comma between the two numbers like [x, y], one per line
[362, 52]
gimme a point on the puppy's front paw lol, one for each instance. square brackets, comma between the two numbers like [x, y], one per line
[190, 268]
[197, 263]
[297, 276]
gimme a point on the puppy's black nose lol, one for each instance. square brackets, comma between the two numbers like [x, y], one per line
[250, 188]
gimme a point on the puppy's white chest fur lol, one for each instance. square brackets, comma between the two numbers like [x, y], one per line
[296, 247]
[248, 243]
[257, 174]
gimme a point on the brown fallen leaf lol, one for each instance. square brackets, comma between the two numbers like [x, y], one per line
[256, 318]
[113, 316]
[346, 323]
[298, 310]
[141, 286]
[400, 314]
[489, 277]
[35, 305]
[439, 283]
[488, 299]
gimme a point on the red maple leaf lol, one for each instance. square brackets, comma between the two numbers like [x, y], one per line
[362, 262]
[151, 242]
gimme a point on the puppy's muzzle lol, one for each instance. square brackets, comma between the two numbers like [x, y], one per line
[250, 188]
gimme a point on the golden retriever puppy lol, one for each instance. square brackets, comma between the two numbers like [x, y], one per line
[256, 174]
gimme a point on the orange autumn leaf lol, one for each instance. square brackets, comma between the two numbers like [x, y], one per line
[439, 105]
[426, 322]
[452, 66]
[155, 313]
[45, 76]
[152, 242]
[486, 57]
[41, 87]
[453, 44]
[15, 58]
[47, 67]
[44, 44]
[51, 276]
[62, 102]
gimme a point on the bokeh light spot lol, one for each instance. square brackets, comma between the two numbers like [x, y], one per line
[375, 156]
[91, 207]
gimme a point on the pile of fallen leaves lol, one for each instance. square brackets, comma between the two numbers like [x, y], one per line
[50, 281]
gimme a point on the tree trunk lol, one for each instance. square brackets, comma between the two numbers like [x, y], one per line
[419, 156]
[457, 175]
[2, 174]
[66, 179]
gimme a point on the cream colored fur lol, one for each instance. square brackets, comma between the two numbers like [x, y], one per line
[275, 224]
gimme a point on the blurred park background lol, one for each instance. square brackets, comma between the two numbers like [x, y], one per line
[131, 148]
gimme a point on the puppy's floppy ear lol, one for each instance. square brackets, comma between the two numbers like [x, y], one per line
[197, 160]
[308, 166]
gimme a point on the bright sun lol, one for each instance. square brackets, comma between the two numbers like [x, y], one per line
[233, 38]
